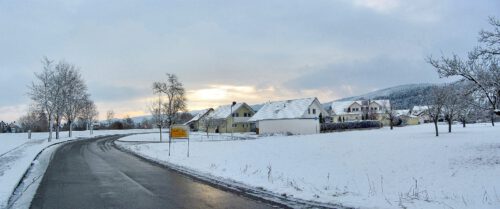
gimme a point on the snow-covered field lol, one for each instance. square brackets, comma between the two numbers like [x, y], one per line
[194, 136]
[405, 168]
[17, 153]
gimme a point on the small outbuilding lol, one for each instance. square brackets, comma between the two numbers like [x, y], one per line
[298, 116]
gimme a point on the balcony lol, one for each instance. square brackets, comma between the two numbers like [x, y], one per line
[240, 119]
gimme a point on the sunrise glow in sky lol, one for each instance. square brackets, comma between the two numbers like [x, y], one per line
[223, 51]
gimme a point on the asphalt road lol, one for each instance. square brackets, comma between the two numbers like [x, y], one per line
[94, 174]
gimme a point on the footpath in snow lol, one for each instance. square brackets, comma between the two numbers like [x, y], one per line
[404, 168]
[17, 153]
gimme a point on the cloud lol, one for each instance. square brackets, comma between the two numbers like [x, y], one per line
[222, 51]
[12, 113]
[378, 5]
[348, 79]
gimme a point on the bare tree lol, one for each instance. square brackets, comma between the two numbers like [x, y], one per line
[156, 107]
[41, 92]
[110, 115]
[437, 102]
[35, 120]
[75, 94]
[390, 113]
[89, 114]
[490, 40]
[209, 122]
[480, 68]
[467, 106]
[452, 104]
[29, 121]
[175, 97]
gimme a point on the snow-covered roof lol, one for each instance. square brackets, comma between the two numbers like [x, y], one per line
[340, 107]
[402, 112]
[200, 113]
[286, 109]
[385, 103]
[417, 110]
[256, 107]
[224, 111]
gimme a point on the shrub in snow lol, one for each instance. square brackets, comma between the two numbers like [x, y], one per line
[330, 127]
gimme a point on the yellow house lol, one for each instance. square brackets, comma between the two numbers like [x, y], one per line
[229, 119]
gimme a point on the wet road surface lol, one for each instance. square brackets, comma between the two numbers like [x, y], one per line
[94, 174]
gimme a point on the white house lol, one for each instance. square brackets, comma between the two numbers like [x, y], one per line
[299, 116]
[343, 111]
[422, 112]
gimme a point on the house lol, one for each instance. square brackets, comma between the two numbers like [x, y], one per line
[344, 111]
[422, 112]
[228, 119]
[298, 116]
[3, 127]
[406, 117]
[14, 128]
[195, 123]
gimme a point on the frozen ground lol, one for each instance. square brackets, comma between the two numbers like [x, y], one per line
[405, 168]
[17, 153]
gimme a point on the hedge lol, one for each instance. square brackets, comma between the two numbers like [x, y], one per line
[330, 127]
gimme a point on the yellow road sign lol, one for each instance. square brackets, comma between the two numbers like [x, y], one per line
[179, 132]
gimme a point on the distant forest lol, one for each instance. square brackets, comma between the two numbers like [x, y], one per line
[402, 97]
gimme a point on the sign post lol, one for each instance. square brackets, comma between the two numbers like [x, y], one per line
[180, 132]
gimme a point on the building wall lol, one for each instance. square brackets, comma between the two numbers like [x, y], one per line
[238, 127]
[315, 107]
[412, 120]
[294, 126]
[227, 125]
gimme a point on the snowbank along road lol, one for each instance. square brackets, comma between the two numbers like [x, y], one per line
[94, 174]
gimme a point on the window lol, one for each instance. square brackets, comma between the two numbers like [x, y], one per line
[308, 111]
[314, 111]
[235, 125]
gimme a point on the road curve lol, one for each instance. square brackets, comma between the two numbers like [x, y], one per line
[94, 174]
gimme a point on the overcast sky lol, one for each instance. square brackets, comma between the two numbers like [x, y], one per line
[251, 51]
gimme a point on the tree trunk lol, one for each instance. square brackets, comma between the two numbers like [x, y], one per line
[57, 130]
[91, 128]
[493, 119]
[51, 126]
[436, 127]
[70, 124]
[391, 124]
[449, 125]
[463, 123]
